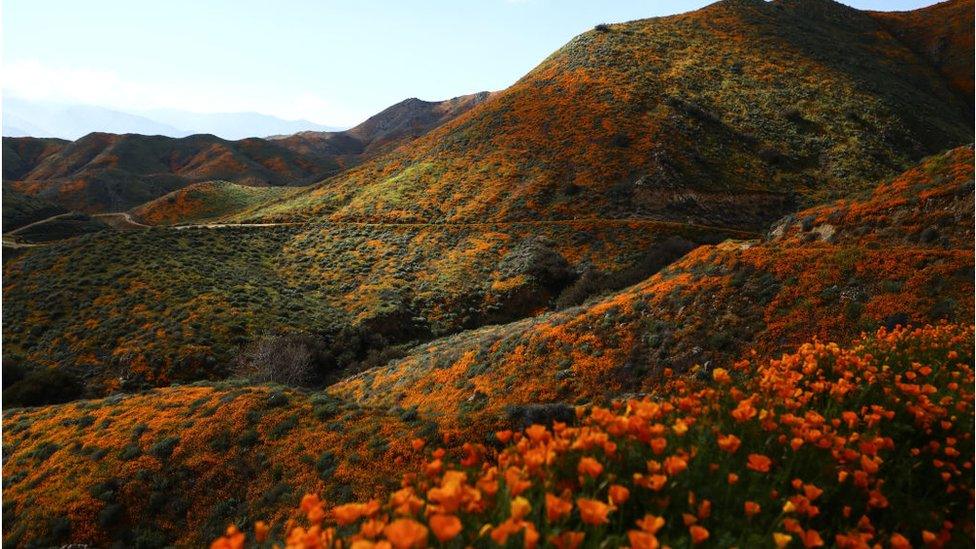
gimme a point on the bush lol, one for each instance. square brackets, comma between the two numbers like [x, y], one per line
[285, 359]
[41, 387]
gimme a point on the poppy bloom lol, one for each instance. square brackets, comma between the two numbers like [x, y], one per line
[642, 540]
[721, 375]
[658, 444]
[589, 467]
[650, 523]
[752, 508]
[556, 507]
[619, 494]
[698, 534]
[568, 540]
[781, 540]
[519, 508]
[445, 527]
[406, 533]
[260, 531]
[759, 463]
[674, 465]
[729, 443]
[592, 511]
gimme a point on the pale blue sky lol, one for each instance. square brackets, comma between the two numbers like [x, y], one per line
[329, 61]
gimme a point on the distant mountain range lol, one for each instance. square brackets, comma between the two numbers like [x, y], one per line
[23, 118]
[108, 172]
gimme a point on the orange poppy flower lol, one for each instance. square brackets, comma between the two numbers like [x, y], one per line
[406, 533]
[721, 375]
[650, 523]
[729, 443]
[445, 527]
[519, 508]
[618, 494]
[781, 540]
[752, 508]
[568, 540]
[674, 465]
[759, 463]
[698, 534]
[557, 508]
[592, 511]
[658, 444]
[589, 467]
[642, 540]
[260, 531]
[537, 433]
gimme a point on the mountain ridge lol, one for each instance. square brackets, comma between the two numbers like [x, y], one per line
[104, 172]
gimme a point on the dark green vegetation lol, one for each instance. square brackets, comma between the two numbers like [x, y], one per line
[62, 227]
[124, 310]
[20, 209]
[201, 202]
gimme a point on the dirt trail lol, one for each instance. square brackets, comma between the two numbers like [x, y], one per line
[120, 220]
[42, 221]
[124, 221]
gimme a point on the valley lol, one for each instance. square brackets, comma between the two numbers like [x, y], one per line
[754, 220]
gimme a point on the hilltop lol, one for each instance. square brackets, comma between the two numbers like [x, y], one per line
[773, 105]
[397, 124]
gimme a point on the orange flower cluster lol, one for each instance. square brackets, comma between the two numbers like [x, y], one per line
[862, 447]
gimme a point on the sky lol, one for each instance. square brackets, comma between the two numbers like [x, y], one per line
[328, 61]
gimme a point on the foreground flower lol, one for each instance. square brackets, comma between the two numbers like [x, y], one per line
[445, 527]
[759, 463]
[406, 534]
[593, 512]
[837, 422]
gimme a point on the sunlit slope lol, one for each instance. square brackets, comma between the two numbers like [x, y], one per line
[203, 202]
[150, 307]
[899, 255]
[745, 102]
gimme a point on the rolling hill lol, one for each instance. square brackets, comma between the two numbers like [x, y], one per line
[110, 173]
[670, 231]
[774, 104]
[204, 201]
[899, 255]
[175, 465]
[20, 210]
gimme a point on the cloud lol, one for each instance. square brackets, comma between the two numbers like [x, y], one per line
[35, 81]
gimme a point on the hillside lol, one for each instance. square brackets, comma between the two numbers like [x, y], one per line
[941, 33]
[110, 173]
[20, 156]
[900, 255]
[700, 280]
[150, 307]
[809, 450]
[20, 210]
[775, 104]
[204, 201]
[145, 462]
